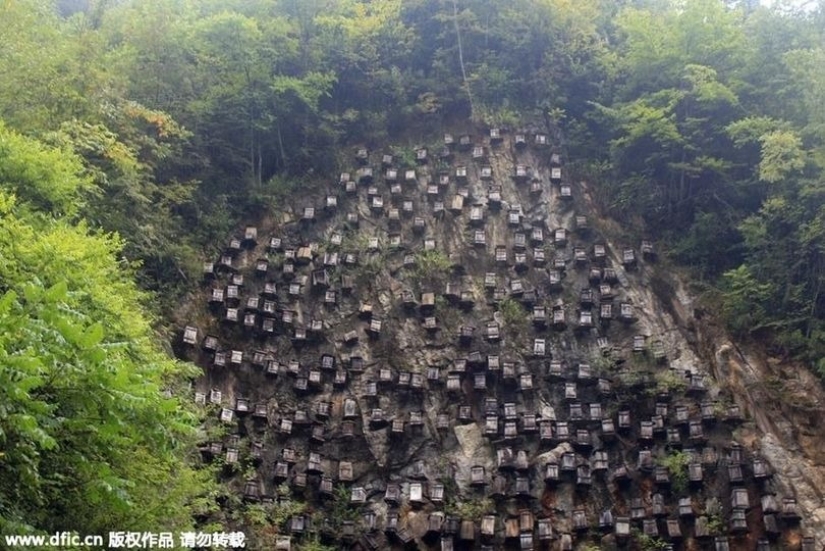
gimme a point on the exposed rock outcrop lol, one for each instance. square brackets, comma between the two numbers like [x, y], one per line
[455, 346]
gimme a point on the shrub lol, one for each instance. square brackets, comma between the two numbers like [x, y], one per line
[676, 463]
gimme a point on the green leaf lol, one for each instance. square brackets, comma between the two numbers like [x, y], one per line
[7, 301]
[782, 155]
[92, 336]
[57, 292]
[32, 292]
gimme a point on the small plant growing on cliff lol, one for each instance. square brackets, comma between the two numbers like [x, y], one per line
[256, 515]
[668, 381]
[285, 507]
[601, 363]
[405, 155]
[342, 510]
[431, 264]
[314, 544]
[510, 311]
[648, 543]
[716, 522]
[502, 116]
[677, 463]
[473, 509]
[512, 314]
[721, 406]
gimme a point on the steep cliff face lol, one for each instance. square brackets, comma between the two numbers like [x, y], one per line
[783, 402]
[447, 349]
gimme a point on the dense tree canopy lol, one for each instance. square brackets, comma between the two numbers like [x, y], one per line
[715, 139]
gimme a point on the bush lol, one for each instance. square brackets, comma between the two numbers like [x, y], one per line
[431, 264]
[473, 509]
[511, 312]
[647, 543]
[677, 463]
[668, 381]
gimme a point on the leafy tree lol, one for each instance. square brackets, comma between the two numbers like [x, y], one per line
[89, 440]
[132, 156]
[39, 72]
[47, 178]
[660, 40]
[805, 67]
[782, 155]
[666, 150]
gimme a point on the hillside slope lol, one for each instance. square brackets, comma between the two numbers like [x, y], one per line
[446, 348]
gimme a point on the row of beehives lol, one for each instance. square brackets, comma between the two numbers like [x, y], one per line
[653, 520]
[295, 282]
[485, 373]
[524, 528]
[448, 192]
[515, 426]
[584, 396]
[563, 467]
[306, 252]
[456, 204]
[476, 148]
[459, 534]
[433, 183]
[262, 312]
[546, 433]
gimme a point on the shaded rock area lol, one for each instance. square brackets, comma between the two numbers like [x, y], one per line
[449, 351]
[784, 402]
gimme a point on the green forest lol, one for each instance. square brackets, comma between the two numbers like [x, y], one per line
[136, 135]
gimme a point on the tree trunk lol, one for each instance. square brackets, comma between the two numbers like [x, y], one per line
[461, 58]
[281, 147]
[260, 166]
